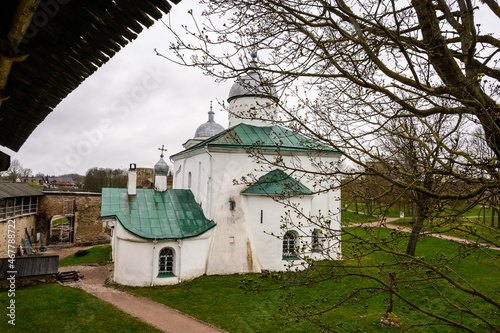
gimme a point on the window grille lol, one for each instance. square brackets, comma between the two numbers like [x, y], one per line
[166, 264]
[289, 248]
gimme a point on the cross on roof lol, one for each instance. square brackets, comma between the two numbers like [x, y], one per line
[162, 150]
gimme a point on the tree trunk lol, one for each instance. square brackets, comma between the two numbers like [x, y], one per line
[484, 214]
[415, 232]
[413, 213]
[492, 216]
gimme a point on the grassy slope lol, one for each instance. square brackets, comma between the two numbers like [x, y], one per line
[220, 300]
[54, 308]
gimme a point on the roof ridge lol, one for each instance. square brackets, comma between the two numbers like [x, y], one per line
[296, 141]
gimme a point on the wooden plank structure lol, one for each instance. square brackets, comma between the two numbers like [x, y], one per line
[69, 276]
[49, 47]
[29, 266]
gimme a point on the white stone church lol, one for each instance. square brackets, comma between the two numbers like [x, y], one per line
[209, 223]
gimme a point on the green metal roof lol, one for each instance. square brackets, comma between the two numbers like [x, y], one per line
[267, 138]
[149, 214]
[277, 182]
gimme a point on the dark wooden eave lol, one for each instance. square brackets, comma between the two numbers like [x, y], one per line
[47, 50]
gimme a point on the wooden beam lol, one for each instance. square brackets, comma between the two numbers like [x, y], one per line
[21, 20]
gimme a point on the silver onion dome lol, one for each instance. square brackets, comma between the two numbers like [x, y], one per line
[161, 167]
[210, 128]
[252, 84]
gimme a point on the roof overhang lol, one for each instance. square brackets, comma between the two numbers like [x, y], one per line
[49, 47]
[235, 149]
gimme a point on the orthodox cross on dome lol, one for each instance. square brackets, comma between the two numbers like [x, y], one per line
[162, 150]
[253, 54]
[211, 113]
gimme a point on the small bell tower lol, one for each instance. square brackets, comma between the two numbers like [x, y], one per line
[161, 172]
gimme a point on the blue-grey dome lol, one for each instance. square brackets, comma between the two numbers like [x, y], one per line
[161, 167]
[252, 84]
[210, 128]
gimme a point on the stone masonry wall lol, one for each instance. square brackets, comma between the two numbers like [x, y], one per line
[88, 224]
[19, 224]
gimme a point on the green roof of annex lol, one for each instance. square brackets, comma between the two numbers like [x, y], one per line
[261, 137]
[277, 182]
[169, 215]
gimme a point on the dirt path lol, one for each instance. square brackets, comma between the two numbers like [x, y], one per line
[385, 223]
[153, 313]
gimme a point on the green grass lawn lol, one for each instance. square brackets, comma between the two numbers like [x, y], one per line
[475, 213]
[351, 217]
[61, 220]
[392, 211]
[221, 301]
[97, 255]
[231, 303]
[463, 228]
[470, 226]
[54, 308]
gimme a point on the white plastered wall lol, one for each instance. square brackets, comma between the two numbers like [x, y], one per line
[252, 110]
[238, 244]
[136, 260]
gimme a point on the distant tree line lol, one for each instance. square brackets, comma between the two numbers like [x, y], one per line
[97, 178]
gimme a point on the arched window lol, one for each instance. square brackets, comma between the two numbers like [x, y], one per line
[189, 179]
[289, 245]
[166, 262]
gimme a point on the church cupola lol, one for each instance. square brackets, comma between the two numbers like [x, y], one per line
[252, 99]
[205, 130]
[210, 128]
[161, 173]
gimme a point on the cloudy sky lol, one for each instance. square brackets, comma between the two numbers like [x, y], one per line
[125, 111]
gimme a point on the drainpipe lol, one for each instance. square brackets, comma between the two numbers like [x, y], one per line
[180, 262]
[153, 262]
[209, 194]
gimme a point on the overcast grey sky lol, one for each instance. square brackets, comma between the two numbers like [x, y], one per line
[125, 111]
[131, 106]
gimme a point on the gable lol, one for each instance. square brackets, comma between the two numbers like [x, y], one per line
[168, 215]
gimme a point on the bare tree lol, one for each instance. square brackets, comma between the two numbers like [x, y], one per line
[404, 85]
[16, 171]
